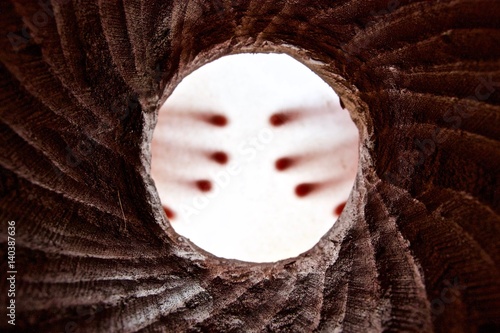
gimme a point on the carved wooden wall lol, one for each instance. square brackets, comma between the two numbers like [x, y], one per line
[417, 248]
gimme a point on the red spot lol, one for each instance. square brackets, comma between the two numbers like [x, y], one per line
[219, 157]
[170, 213]
[217, 120]
[204, 185]
[279, 119]
[339, 209]
[304, 189]
[284, 163]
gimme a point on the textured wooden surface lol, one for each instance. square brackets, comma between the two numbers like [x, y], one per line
[417, 248]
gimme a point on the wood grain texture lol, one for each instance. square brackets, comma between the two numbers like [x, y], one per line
[417, 248]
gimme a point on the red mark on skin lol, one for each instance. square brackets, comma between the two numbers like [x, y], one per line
[304, 189]
[339, 209]
[204, 185]
[284, 163]
[219, 157]
[217, 120]
[170, 213]
[279, 119]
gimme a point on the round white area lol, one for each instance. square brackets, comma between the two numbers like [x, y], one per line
[253, 157]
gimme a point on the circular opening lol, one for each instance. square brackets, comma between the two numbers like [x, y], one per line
[253, 157]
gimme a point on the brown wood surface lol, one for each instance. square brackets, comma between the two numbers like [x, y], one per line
[417, 248]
